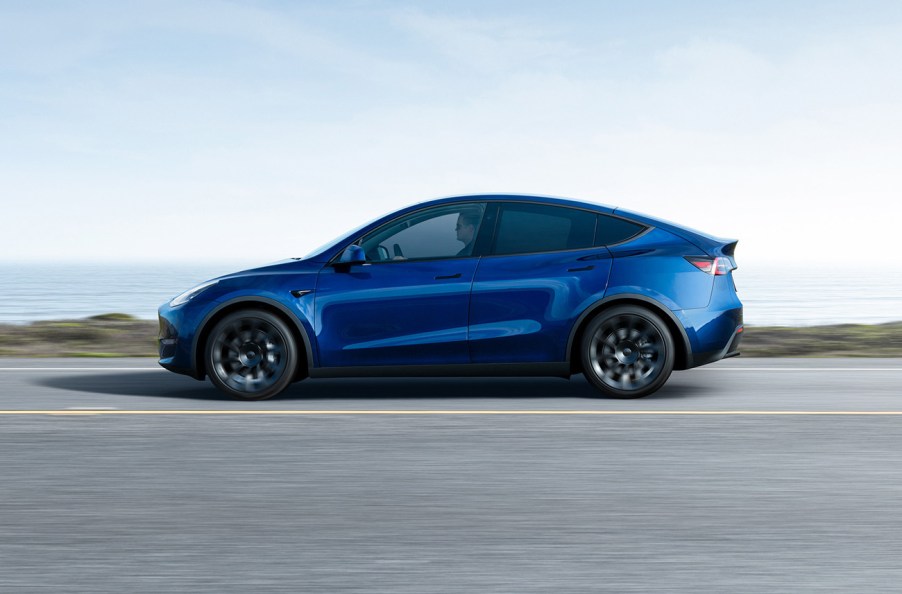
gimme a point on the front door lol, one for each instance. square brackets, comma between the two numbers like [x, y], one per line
[409, 303]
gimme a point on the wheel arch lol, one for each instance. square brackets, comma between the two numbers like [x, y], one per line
[261, 303]
[680, 338]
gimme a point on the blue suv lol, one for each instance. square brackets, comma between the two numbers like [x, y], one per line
[473, 285]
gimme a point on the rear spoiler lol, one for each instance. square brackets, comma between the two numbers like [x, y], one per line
[718, 248]
[727, 250]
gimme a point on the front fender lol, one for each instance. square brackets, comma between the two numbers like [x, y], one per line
[297, 310]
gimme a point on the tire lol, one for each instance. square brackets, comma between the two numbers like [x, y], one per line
[251, 355]
[627, 352]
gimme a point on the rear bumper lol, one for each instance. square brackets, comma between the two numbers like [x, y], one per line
[730, 350]
[733, 347]
[713, 333]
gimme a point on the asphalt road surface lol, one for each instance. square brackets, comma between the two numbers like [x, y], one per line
[755, 475]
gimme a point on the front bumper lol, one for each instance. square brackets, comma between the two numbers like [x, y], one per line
[176, 341]
[169, 339]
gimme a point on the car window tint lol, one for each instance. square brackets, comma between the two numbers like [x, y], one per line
[613, 230]
[443, 232]
[527, 228]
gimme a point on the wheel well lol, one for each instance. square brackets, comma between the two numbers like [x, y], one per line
[681, 360]
[201, 344]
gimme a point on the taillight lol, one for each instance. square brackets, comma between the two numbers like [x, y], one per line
[712, 266]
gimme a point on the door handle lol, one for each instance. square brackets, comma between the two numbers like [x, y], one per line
[580, 269]
[443, 277]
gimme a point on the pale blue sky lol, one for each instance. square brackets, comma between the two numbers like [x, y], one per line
[203, 131]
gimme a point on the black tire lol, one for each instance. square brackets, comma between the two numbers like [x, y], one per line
[251, 355]
[627, 352]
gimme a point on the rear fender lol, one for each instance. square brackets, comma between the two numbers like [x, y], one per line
[680, 336]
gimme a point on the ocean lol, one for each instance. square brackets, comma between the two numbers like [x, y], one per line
[771, 295]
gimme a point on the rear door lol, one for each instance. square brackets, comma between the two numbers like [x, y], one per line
[541, 272]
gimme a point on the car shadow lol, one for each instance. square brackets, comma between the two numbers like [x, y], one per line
[160, 385]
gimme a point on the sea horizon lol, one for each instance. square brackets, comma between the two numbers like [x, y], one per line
[771, 295]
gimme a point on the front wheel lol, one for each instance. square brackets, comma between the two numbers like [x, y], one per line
[251, 355]
[627, 352]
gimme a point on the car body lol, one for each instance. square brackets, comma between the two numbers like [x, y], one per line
[469, 285]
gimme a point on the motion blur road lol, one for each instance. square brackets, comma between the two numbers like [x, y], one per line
[755, 475]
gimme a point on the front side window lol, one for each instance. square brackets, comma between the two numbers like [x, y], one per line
[530, 228]
[441, 232]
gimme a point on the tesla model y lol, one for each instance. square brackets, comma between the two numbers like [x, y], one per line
[466, 286]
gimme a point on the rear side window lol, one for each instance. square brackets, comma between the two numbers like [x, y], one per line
[530, 228]
[612, 230]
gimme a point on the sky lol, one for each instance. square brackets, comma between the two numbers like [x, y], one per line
[190, 131]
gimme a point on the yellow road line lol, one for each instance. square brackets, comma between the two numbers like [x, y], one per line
[70, 412]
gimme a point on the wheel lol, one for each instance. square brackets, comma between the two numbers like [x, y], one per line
[627, 352]
[251, 355]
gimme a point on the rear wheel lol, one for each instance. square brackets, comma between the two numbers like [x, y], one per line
[251, 355]
[627, 352]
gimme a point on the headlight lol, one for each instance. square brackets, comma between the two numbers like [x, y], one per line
[191, 293]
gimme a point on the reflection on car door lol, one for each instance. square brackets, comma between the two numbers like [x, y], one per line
[405, 313]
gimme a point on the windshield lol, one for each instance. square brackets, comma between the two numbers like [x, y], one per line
[346, 235]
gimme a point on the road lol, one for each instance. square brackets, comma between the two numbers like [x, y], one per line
[750, 475]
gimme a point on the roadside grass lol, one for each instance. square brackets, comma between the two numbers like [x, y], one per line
[842, 340]
[95, 355]
[107, 335]
[121, 335]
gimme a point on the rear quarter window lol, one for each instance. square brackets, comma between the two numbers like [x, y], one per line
[611, 230]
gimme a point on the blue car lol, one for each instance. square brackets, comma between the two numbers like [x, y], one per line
[500, 285]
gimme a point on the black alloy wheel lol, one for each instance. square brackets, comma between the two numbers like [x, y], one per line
[627, 352]
[251, 355]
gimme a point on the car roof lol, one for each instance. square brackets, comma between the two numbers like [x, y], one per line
[533, 198]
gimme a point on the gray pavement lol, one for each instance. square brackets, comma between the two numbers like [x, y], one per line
[585, 502]
[731, 385]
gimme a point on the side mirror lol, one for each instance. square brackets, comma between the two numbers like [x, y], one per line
[354, 254]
